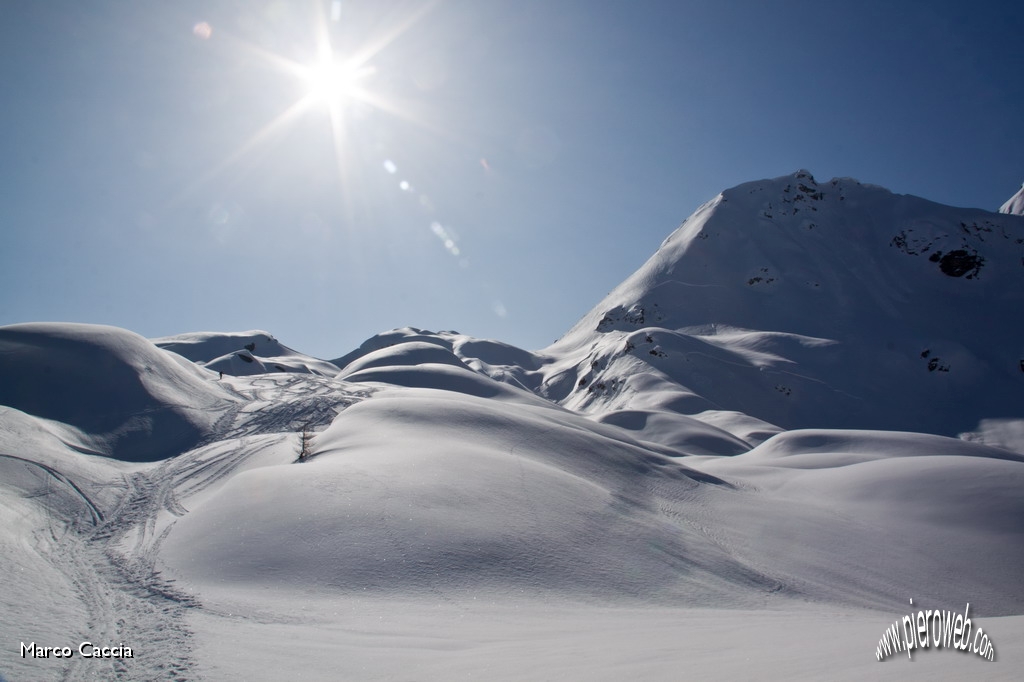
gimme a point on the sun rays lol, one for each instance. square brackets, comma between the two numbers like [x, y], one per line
[333, 82]
[338, 81]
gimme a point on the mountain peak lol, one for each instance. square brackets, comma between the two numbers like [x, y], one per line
[802, 293]
[804, 174]
[1015, 204]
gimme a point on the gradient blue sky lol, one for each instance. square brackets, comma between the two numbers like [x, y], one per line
[138, 190]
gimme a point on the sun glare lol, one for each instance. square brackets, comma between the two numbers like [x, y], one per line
[333, 81]
[338, 82]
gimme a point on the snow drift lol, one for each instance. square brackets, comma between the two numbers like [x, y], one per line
[122, 395]
[243, 353]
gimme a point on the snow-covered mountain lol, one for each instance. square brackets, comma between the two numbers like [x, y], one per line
[785, 304]
[752, 439]
[243, 353]
[814, 305]
[1015, 204]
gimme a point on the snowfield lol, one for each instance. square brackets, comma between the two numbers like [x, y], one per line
[806, 410]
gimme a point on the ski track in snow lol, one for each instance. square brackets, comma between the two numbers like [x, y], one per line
[110, 555]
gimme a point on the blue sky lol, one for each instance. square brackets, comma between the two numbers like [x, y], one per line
[547, 149]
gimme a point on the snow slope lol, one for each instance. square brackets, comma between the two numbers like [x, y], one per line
[1015, 204]
[427, 493]
[739, 464]
[802, 304]
[243, 353]
[82, 532]
[117, 393]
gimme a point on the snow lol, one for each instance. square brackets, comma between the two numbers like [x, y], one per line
[544, 640]
[459, 469]
[243, 353]
[1015, 204]
[743, 462]
[120, 395]
[789, 299]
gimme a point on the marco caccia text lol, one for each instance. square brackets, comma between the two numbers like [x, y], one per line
[85, 650]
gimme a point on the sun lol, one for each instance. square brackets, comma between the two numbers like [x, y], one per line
[336, 82]
[328, 81]
[333, 81]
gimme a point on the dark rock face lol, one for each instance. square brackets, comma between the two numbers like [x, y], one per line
[636, 316]
[961, 262]
[963, 259]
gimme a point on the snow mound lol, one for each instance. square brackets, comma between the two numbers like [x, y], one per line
[499, 361]
[33, 450]
[243, 353]
[870, 517]
[404, 354]
[431, 362]
[686, 435]
[419, 492]
[393, 338]
[124, 397]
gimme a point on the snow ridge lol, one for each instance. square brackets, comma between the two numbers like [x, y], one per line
[1015, 204]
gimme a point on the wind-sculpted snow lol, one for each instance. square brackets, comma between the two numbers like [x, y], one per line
[446, 377]
[435, 493]
[122, 396]
[411, 346]
[872, 516]
[405, 354]
[393, 338]
[677, 432]
[243, 353]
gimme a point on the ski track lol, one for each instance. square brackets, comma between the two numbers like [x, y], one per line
[94, 511]
[110, 555]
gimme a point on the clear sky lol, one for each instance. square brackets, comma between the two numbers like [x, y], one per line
[489, 166]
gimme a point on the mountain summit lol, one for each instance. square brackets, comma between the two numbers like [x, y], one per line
[802, 304]
[1015, 204]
